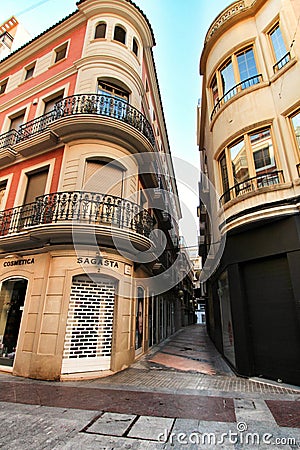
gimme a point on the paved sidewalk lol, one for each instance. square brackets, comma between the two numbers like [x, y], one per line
[158, 403]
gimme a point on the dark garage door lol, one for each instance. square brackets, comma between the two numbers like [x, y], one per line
[272, 320]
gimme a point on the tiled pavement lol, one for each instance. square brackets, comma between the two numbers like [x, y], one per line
[156, 404]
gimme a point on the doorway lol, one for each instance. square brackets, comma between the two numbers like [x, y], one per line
[12, 297]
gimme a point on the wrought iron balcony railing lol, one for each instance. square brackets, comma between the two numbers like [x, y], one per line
[77, 207]
[252, 184]
[96, 104]
[282, 62]
[235, 90]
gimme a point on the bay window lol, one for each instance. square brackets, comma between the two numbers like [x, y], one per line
[248, 164]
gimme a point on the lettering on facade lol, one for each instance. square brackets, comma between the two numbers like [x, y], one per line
[19, 262]
[98, 261]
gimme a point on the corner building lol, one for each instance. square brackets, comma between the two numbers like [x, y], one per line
[249, 142]
[80, 110]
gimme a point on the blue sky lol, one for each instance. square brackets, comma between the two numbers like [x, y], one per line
[179, 27]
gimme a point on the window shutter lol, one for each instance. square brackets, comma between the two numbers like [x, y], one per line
[109, 179]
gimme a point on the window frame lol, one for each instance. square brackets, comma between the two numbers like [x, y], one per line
[29, 71]
[98, 25]
[253, 171]
[57, 50]
[119, 28]
[278, 64]
[3, 86]
[135, 46]
[232, 59]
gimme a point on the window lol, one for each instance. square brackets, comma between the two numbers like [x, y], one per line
[120, 34]
[227, 77]
[61, 52]
[262, 150]
[281, 56]
[295, 119]
[3, 185]
[248, 164]
[116, 107]
[237, 73]
[135, 46]
[7, 39]
[50, 102]
[36, 184]
[3, 85]
[247, 65]
[100, 30]
[214, 89]
[17, 120]
[103, 178]
[29, 71]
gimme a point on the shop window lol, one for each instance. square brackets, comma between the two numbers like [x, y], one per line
[280, 53]
[100, 31]
[135, 46]
[139, 327]
[120, 34]
[3, 86]
[12, 297]
[60, 52]
[29, 71]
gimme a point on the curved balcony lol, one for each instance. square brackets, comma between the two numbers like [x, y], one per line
[81, 104]
[252, 184]
[58, 214]
[245, 84]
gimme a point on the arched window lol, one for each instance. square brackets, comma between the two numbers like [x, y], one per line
[120, 34]
[100, 30]
[135, 46]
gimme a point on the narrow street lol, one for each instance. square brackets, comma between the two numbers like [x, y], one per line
[180, 395]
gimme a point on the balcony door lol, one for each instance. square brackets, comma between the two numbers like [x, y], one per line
[104, 178]
[35, 187]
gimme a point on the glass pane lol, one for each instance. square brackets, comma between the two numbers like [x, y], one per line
[214, 89]
[277, 42]
[228, 81]
[12, 296]
[239, 162]
[247, 64]
[263, 152]
[139, 319]
[224, 176]
[296, 126]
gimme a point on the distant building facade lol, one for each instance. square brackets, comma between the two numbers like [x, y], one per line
[79, 104]
[249, 142]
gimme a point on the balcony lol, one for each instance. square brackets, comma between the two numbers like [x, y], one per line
[245, 84]
[282, 62]
[54, 218]
[252, 185]
[81, 105]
